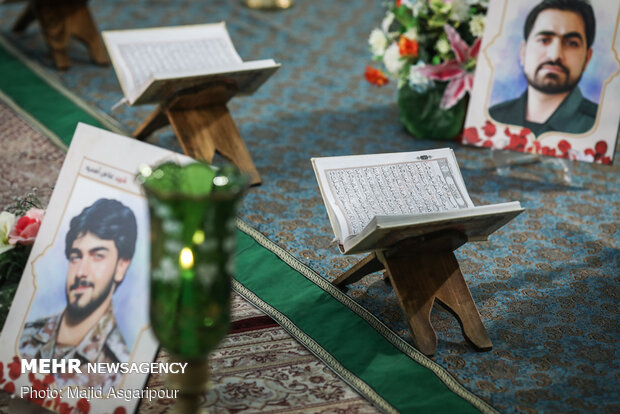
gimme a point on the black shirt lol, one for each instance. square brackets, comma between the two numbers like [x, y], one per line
[575, 114]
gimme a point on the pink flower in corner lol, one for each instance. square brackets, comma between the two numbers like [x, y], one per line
[455, 71]
[26, 227]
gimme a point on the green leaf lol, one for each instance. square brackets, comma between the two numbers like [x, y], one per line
[439, 7]
[404, 17]
[12, 264]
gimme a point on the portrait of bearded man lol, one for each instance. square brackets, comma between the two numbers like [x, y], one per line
[555, 51]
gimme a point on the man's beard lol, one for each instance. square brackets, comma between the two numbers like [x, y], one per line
[545, 86]
[77, 312]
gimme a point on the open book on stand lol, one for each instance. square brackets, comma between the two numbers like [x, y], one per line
[154, 64]
[375, 201]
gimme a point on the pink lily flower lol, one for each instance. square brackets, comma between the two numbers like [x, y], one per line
[461, 80]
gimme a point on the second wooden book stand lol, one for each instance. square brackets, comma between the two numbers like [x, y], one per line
[421, 270]
[61, 19]
[203, 125]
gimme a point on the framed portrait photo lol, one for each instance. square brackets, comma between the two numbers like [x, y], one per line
[547, 79]
[79, 320]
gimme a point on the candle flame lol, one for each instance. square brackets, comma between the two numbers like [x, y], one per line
[186, 258]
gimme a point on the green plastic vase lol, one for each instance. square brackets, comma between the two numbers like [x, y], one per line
[420, 113]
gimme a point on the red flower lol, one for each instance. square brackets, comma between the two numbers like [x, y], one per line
[548, 151]
[9, 387]
[487, 144]
[408, 47]
[375, 76]
[517, 142]
[15, 368]
[564, 146]
[535, 148]
[471, 135]
[599, 152]
[65, 408]
[37, 387]
[119, 410]
[489, 129]
[48, 379]
[397, 6]
[525, 132]
[27, 227]
[83, 405]
[601, 147]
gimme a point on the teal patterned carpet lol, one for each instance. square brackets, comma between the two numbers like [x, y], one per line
[547, 285]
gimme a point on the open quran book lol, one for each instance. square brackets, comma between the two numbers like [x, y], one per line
[375, 201]
[153, 64]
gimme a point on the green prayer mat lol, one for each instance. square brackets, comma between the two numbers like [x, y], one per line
[39, 98]
[366, 354]
[347, 338]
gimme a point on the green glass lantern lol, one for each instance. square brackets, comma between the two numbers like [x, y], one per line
[192, 210]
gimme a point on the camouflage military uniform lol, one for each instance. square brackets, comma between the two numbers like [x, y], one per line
[103, 343]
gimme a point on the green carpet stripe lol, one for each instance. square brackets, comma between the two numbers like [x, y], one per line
[403, 383]
[39, 99]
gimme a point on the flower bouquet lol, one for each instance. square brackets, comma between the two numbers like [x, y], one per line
[430, 48]
[19, 226]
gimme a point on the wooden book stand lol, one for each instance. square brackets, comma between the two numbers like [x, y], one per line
[61, 19]
[203, 125]
[421, 270]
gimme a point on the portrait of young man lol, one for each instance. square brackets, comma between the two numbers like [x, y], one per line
[99, 247]
[554, 54]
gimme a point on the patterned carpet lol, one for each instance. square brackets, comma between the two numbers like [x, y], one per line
[263, 369]
[29, 160]
[546, 285]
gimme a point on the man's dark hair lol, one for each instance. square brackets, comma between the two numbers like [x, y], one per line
[581, 7]
[108, 220]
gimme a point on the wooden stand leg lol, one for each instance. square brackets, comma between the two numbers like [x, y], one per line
[204, 130]
[418, 280]
[157, 119]
[61, 19]
[26, 17]
[55, 30]
[367, 265]
[84, 28]
[456, 297]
